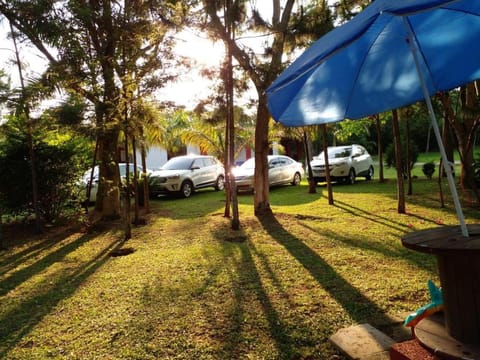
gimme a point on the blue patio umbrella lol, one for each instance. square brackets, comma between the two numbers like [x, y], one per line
[394, 53]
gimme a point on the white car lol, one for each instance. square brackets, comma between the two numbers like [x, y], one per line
[184, 174]
[345, 163]
[282, 170]
[96, 170]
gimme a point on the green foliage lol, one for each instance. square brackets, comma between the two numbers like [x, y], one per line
[428, 169]
[357, 132]
[59, 165]
[405, 166]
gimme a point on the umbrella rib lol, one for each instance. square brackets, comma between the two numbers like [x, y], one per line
[419, 51]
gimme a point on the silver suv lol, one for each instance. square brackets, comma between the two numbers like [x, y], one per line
[184, 174]
[345, 164]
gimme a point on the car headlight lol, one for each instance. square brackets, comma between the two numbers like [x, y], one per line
[341, 164]
[173, 177]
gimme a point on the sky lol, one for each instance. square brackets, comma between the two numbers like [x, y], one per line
[188, 89]
[191, 87]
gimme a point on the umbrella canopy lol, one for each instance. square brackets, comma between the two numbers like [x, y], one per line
[392, 54]
[366, 66]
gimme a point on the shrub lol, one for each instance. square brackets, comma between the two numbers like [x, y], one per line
[428, 169]
[58, 168]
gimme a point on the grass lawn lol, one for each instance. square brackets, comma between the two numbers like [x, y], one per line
[194, 289]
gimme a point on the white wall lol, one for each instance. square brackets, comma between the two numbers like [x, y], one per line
[156, 157]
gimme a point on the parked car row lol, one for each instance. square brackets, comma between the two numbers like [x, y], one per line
[182, 175]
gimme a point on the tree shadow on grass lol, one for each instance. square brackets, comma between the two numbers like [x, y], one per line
[248, 280]
[24, 314]
[16, 278]
[11, 260]
[382, 220]
[420, 260]
[360, 308]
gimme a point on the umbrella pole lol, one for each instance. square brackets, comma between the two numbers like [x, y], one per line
[446, 164]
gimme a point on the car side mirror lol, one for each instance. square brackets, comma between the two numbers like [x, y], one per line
[195, 168]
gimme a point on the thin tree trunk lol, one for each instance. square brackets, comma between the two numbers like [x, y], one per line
[231, 152]
[398, 163]
[136, 219]
[228, 173]
[327, 166]
[231, 116]
[409, 172]
[126, 194]
[312, 189]
[90, 181]
[427, 148]
[381, 177]
[146, 197]
[440, 189]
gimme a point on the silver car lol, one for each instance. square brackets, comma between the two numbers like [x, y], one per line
[345, 164]
[184, 174]
[282, 170]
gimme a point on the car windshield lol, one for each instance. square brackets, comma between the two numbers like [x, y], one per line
[249, 164]
[178, 163]
[336, 153]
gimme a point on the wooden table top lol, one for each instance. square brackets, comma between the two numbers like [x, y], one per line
[444, 239]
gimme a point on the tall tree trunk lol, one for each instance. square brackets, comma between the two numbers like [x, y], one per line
[231, 134]
[109, 125]
[398, 163]
[261, 197]
[109, 202]
[108, 195]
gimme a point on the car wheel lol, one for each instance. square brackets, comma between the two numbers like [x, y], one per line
[220, 184]
[370, 173]
[351, 177]
[186, 189]
[296, 179]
